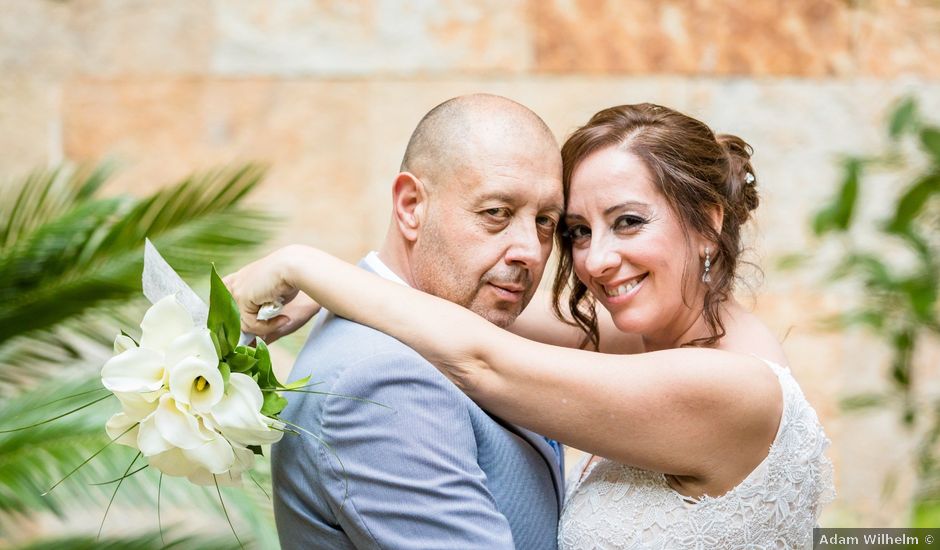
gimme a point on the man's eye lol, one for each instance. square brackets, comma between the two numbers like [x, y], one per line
[546, 221]
[500, 213]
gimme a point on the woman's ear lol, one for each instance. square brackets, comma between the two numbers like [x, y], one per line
[716, 217]
[409, 203]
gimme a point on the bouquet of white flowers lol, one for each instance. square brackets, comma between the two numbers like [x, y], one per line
[197, 401]
[194, 402]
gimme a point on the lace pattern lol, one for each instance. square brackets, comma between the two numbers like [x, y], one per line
[776, 506]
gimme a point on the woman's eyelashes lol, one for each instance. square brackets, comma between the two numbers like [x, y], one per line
[628, 223]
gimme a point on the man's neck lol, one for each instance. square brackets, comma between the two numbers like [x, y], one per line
[396, 260]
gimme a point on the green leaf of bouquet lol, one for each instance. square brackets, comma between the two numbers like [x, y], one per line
[241, 362]
[218, 346]
[298, 384]
[245, 350]
[218, 336]
[273, 404]
[223, 311]
[226, 371]
[266, 377]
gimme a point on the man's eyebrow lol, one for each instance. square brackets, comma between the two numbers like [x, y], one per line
[556, 210]
[497, 196]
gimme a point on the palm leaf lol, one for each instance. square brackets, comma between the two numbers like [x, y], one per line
[145, 541]
[70, 267]
[92, 255]
[43, 196]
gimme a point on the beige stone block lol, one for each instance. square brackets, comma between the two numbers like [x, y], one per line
[105, 37]
[30, 133]
[132, 37]
[364, 37]
[311, 134]
[722, 37]
[897, 37]
[34, 37]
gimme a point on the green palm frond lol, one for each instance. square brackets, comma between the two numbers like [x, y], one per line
[92, 254]
[33, 460]
[146, 541]
[43, 196]
[70, 267]
[75, 347]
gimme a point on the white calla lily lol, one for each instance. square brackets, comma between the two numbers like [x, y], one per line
[173, 428]
[176, 425]
[117, 428]
[136, 406]
[193, 343]
[244, 461]
[123, 343]
[215, 455]
[137, 370]
[196, 383]
[238, 414]
[173, 462]
[164, 322]
[149, 440]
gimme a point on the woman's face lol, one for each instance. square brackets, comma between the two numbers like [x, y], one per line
[630, 249]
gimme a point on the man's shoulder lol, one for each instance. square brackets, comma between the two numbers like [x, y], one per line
[338, 335]
[343, 350]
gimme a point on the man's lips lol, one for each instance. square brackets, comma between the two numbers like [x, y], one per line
[509, 292]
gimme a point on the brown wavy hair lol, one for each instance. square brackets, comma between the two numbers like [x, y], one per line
[695, 170]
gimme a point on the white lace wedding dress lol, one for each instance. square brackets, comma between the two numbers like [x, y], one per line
[776, 506]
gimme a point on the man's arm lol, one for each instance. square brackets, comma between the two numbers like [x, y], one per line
[410, 470]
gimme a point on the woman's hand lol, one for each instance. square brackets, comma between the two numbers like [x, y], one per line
[267, 281]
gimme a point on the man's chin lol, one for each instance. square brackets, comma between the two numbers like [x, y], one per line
[499, 317]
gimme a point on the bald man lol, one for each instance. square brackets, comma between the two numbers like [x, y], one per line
[474, 209]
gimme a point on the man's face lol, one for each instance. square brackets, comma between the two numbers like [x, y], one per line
[488, 231]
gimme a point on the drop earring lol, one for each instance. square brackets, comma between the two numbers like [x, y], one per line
[706, 276]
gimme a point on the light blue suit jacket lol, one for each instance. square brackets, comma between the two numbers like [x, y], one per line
[432, 471]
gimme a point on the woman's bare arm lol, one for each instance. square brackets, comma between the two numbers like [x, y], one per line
[538, 322]
[682, 411]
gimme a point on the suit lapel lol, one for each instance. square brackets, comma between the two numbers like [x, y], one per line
[555, 463]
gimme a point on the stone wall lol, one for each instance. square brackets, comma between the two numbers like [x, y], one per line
[327, 92]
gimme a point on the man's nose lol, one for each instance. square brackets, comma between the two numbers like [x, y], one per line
[525, 247]
[601, 258]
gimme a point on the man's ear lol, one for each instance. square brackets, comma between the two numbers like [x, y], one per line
[409, 204]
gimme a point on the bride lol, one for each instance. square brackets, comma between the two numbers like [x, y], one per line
[703, 440]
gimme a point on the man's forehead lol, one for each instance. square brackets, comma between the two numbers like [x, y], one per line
[517, 189]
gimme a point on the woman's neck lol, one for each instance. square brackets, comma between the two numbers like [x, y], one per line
[683, 331]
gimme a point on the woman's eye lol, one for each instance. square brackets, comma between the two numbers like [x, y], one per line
[628, 222]
[578, 232]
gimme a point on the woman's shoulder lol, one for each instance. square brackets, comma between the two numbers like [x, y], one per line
[746, 334]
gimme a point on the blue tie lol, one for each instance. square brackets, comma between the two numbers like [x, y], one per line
[555, 447]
